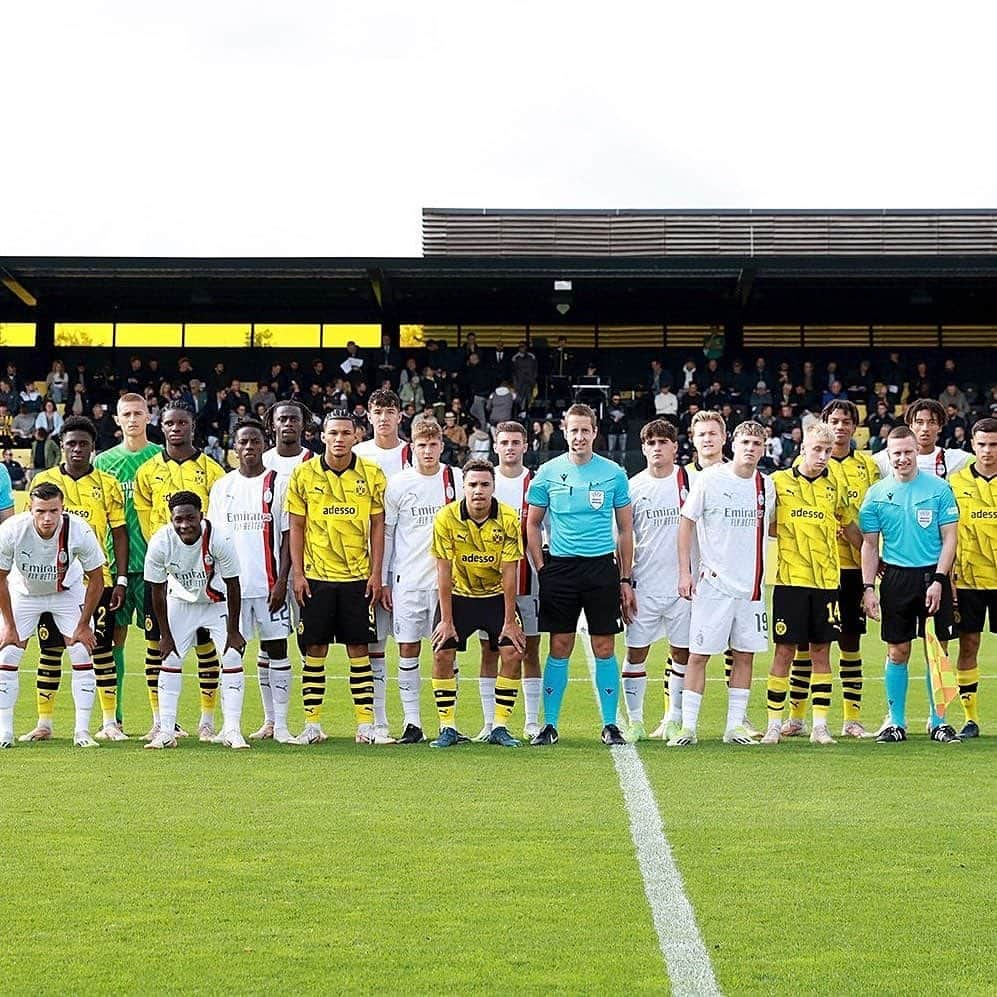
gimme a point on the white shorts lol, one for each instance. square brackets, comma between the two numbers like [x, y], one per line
[720, 621]
[256, 620]
[186, 617]
[413, 614]
[384, 621]
[659, 616]
[528, 607]
[64, 606]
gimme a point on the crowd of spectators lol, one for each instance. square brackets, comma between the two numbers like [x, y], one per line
[470, 389]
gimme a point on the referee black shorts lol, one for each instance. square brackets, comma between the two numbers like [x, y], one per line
[901, 600]
[973, 608]
[850, 602]
[804, 615]
[337, 613]
[471, 614]
[570, 585]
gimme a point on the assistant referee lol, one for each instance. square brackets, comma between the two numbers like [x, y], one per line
[917, 516]
[582, 494]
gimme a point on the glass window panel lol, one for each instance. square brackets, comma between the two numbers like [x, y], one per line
[148, 334]
[227, 334]
[17, 333]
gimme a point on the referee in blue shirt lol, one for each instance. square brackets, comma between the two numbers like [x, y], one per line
[582, 495]
[6, 495]
[917, 517]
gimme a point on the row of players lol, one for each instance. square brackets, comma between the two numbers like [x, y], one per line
[336, 537]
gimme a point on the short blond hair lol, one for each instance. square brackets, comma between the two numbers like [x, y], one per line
[749, 428]
[708, 415]
[819, 432]
[427, 428]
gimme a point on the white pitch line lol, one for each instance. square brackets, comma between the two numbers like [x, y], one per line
[686, 959]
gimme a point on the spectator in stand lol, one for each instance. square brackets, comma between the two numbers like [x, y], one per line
[879, 418]
[556, 441]
[236, 396]
[731, 417]
[740, 385]
[924, 384]
[666, 404]
[457, 436]
[9, 397]
[832, 374]
[411, 369]
[659, 376]
[791, 445]
[772, 460]
[23, 426]
[235, 416]
[463, 419]
[44, 453]
[18, 477]
[893, 377]
[861, 383]
[785, 395]
[49, 419]
[215, 451]
[525, 371]
[836, 392]
[31, 398]
[12, 377]
[185, 371]
[715, 396]
[501, 405]
[264, 395]
[615, 426]
[687, 375]
[476, 383]
[479, 442]
[953, 422]
[990, 404]
[685, 419]
[362, 421]
[765, 416]
[783, 375]
[135, 379]
[692, 396]
[352, 365]
[959, 440]
[78, 403]
[431, 390]
[360, 393]
[562, 361]
[762, 373]
[108, 433]
[500, 361]
[408, 416]
[785, 421]
[57, 383]
[386, 361]
[6, 427]
[877, 443]
[952, 395]
[410, 393]
[711, 373]
[760, 396]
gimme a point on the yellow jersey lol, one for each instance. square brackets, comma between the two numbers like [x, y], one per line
[808, 514]
[96, 498]
[477, 551]
[337, 507]
[160, 476]
[976, 549]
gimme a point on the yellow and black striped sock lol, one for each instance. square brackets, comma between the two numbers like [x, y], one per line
[820, 698]
[107, 684]
[208, 673]
[153, 662]
[313, 688]
[668, 674]
[850, 670]
[445, 695]
[776, 692]
[799, 684]
[47, 681]
[362, 689]
[506, 691]
[969, 684]
[728, 665]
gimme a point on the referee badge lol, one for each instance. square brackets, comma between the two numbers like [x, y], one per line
[597, 498]
[924, 517]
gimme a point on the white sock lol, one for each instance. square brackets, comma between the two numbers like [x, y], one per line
[486, 689]
[263, 666]
[691, 702]
[380, 672]
[737, 707]
[170, 683]
[532, 689]
[634, 686]
[208, 716]
[409, 690]
[84, 693]
[233, 683]
[280, 691]
[10, 688]
[675, 683]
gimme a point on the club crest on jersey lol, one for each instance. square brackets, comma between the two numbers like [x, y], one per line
[597, 499]
[449, 493]
[208, 560]
[63, 557]
[361, 488]
[268, 496]
[924, 517]
[683, 494]
[497, 536]
[761, 499]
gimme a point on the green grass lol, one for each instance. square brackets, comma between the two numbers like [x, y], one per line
[854, 869]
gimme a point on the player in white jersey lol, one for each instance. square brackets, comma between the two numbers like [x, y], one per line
[512, 481]
[248, 506]
[193, 574]
[927, 419]
[44, 555]
[392, 455]
[658, 494]
[729, 510]
[412, 500]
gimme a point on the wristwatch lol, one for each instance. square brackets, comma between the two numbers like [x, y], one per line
[627, 581]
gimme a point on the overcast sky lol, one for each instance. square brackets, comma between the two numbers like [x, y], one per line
[292, 127]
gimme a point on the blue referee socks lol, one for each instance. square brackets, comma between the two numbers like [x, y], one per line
[555, 682]
[896, 692]
[607, 678]
[936, 720]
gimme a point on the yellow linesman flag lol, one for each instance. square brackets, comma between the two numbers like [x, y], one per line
[944, 682]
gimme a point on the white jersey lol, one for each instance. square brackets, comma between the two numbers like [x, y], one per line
[732, 516]
[45, 567]
[273, 461]
[194, 572]
[940, 462]
[512, 491]
[657, 508]
[392, 461]
[252, 513]
[411, 502]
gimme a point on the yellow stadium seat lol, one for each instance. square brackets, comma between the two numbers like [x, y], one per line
[862, 437]
[863, 412]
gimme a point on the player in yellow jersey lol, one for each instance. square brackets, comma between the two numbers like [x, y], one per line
[478, 544]
[336, 507]
[811, 507]
[181, 467]
[96, 498]
[975, 572]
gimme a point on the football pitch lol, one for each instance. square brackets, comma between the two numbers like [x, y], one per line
[857, 868]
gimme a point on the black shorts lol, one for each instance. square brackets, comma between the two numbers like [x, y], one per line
[103, 628]
[337, 613]
[850, 604]
[901, 600]
[804, 615]
[974, 606]
[569, 585]
[484, 613]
